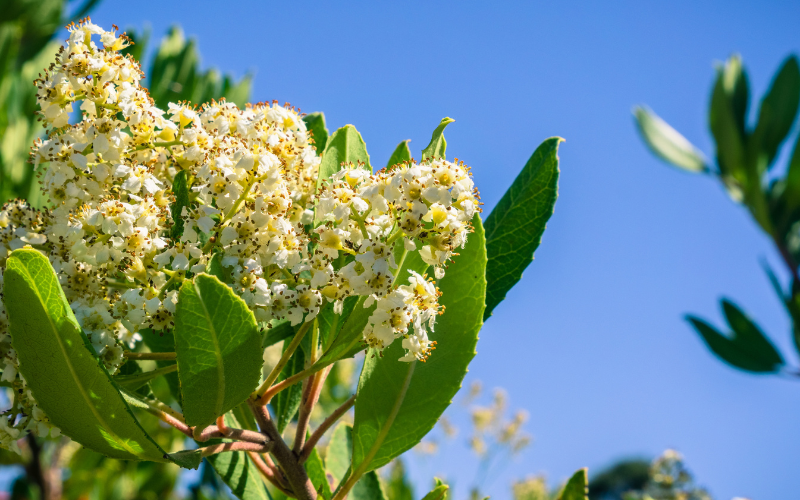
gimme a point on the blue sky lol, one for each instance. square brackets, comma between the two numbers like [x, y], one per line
[591, 341]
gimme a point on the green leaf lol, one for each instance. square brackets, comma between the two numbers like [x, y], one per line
[135, 381]
[667, 143]
[338, 464]
[747, 349]
[398, 486]
[368, 488]
[398, 403]
[577, 488]
[514, 228]
[438, 493]
[181, 189]
[188, 459]
[778, 110]
[401, 154]
[725, 118]
[286, 403]
[164, 342]
[315, 123]
[214, 267]
[238, 471]
[438, 145]
[331, 323]
[337, 458]
[61, 368]
[344, 146]
[218, 348]
[279, 331]
[316, 473]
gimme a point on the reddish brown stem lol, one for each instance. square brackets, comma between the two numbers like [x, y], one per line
[301, 485]
[273, 475]
[323, 428]
[235, 446]
[310, 398]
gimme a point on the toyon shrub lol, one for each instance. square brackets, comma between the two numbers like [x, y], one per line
[197, 237]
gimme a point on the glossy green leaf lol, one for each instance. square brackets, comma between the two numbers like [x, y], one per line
[286, 403]
[218, 348]
[238, 471]
[438, 144]
[577, 488]
[667, 143]
[514, 228]
[398, 403]
[181, 189]
[401, 154]
[344, 146]
[778, 110]
[316, 473]
[61, 368]
[747, 348]
[315, 123]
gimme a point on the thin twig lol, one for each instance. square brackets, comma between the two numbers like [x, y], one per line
[283, 384]
[235, 446]
[273, 475]
[301, 485]
[224, 429]
[276, 371]
[323, 428]
[310, 397]
[155, 356]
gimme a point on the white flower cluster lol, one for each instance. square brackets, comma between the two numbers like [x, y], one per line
[143, 199]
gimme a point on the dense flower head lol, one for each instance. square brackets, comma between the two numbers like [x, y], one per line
[143, 198]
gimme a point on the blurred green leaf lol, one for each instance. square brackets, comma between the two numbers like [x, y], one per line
[778, 111]
[514, 228]
[398, 486]
[667, 143]
[577, 488]
[725, 122]
[437, 493]
[218, 348]
[747, 348]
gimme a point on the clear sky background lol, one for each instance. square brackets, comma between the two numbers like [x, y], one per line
[591, 341]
